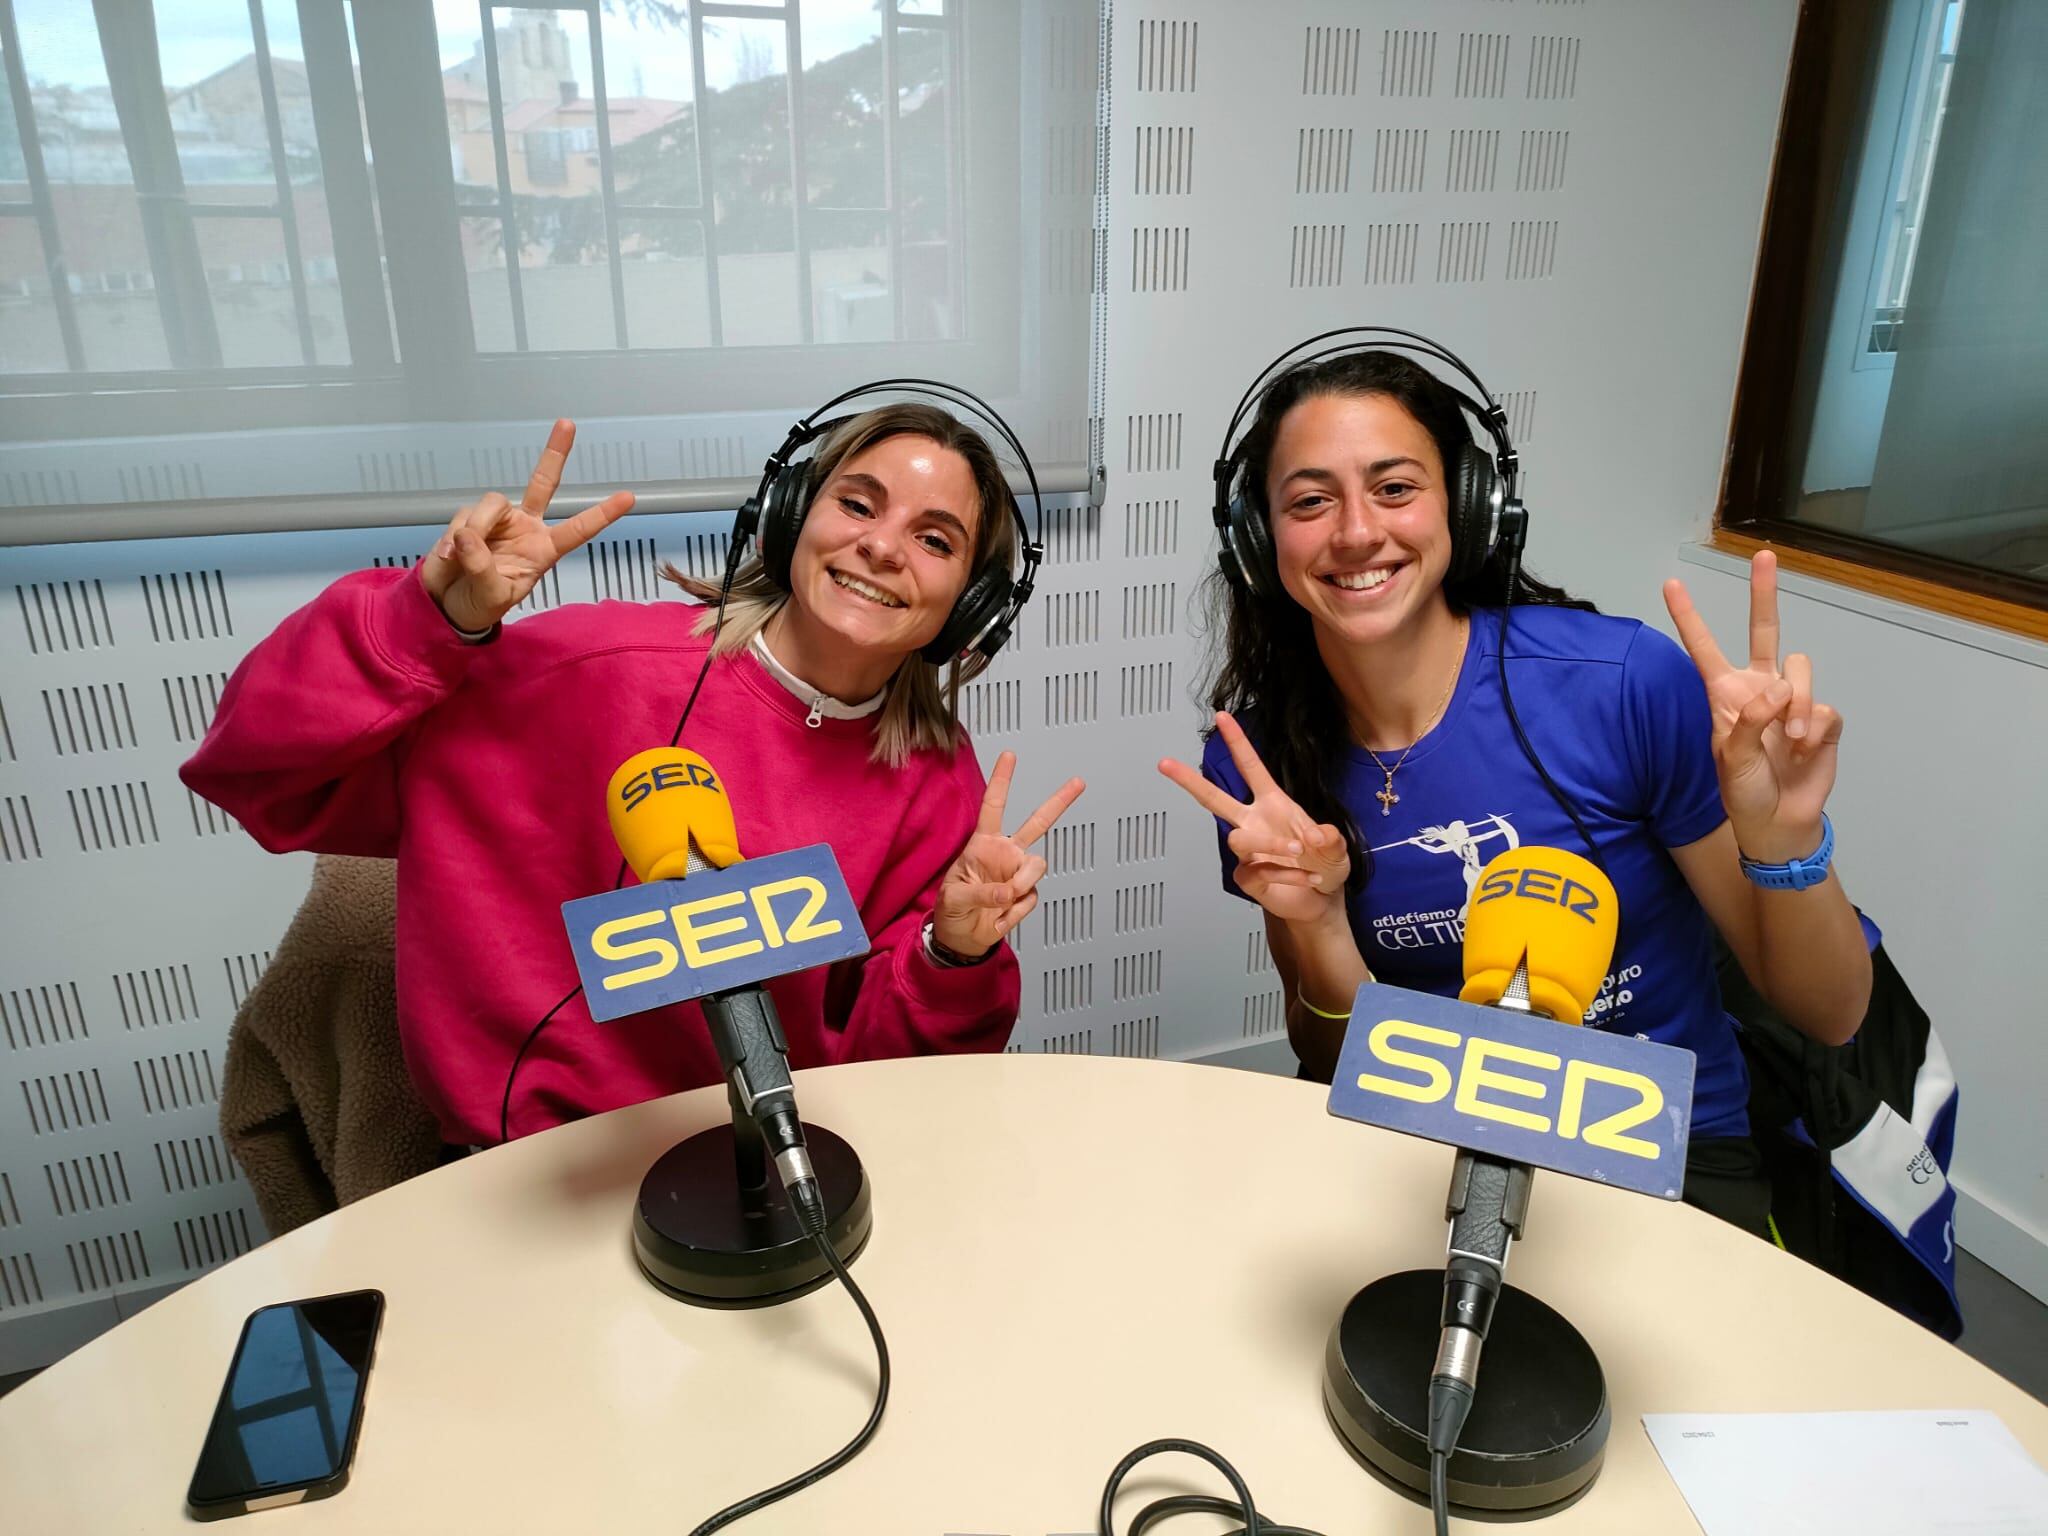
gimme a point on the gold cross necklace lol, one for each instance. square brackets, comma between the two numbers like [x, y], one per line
[1386, 797]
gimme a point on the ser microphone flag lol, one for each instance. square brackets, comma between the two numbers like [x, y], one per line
[1506, 1080]
[735, 922]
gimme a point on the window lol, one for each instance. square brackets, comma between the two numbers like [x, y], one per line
[233, 221]
[1895, 376]
[589, 150]
[206, 249]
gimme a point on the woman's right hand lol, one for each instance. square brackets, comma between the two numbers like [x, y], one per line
[1292, 866]
[493, 552]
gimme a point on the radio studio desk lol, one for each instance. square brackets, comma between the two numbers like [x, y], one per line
[1071, 1256]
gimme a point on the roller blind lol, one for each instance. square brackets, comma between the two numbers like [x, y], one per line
[287, 263]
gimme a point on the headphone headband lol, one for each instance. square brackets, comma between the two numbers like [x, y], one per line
[1489, 414]
[952, 394]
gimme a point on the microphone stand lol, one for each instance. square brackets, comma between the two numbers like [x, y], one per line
[751, 1242]
[1401, 1368]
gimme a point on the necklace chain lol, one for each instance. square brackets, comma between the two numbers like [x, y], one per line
[1386, 797]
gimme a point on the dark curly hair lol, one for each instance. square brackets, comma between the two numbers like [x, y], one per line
[1269, 661]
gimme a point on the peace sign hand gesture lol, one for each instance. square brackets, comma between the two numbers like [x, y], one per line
[1292, 866]
[493, 552]
[1774, 743]
[992, 886]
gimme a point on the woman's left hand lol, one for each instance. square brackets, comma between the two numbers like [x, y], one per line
[1774, 743]
[993, 885]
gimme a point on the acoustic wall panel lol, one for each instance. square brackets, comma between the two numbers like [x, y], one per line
[139, 916]
[1413, 163]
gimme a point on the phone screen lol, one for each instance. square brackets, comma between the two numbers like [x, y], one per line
[288, 1416]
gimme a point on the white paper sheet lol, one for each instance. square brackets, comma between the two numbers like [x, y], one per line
[1920, 1473]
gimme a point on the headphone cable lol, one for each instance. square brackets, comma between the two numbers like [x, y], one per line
[1518, 531]
[732, 564]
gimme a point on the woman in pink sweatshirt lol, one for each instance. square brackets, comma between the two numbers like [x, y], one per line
[393, 716]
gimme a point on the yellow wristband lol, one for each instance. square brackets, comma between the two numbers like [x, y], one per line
[1323, 1013]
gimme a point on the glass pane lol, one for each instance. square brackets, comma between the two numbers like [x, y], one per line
[850, 294]
[843, 102]
[465, 96]
[323, 286]
[921, 7]
[651, 99]
[550, 127]
[1927, 106]
[13, 167]
[306, 183]
[92, 188]
[747, 119]
[250, 283]
[302, 172]
[924, 183]
[490, 290]
[667, 301]
[213, 87]
[30, 341]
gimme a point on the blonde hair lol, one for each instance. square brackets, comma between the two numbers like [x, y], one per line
[920, 704]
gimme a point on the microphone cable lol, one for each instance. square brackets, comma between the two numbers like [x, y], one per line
[811, 1213]
[1240, 1507]
[814, 1219]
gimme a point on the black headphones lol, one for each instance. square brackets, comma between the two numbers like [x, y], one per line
[984, 612]
[1486, 513]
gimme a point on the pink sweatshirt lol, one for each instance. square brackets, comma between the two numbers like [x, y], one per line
[365, 725]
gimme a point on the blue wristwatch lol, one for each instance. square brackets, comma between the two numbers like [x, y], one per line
[1798, 874]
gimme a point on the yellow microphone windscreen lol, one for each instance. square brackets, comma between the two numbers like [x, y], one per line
[1549, 908]
[661, 802]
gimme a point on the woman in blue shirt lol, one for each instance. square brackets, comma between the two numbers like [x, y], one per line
[1364, 766]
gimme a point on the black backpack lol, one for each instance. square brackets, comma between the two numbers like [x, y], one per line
[1842, 1146]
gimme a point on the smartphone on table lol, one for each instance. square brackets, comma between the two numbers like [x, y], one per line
[285, 1426]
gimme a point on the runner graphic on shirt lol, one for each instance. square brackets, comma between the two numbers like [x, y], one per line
[1466, 839]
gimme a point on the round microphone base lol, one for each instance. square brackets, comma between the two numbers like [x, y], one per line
[700, 1240]
[1538, 1427]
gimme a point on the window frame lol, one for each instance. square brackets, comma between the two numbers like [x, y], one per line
[1820, 135]
[423, 289]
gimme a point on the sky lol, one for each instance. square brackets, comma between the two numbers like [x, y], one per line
[197, 37]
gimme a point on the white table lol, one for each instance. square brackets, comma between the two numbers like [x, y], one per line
[1071, 1255]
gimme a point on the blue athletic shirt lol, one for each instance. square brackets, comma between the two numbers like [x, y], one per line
[1619, 716]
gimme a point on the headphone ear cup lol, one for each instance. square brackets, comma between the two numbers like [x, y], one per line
[1471, 512]
[782, 519]
[1252, 540]
[985, 600]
